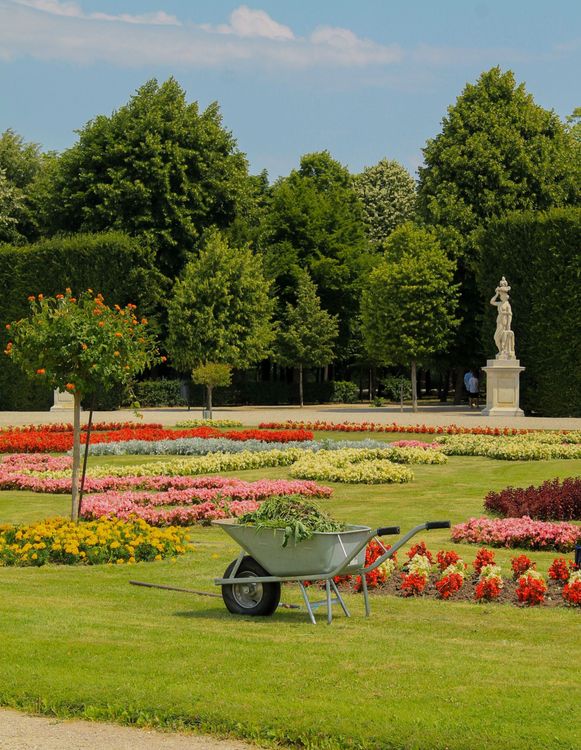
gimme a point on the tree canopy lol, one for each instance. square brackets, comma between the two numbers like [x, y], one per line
[220, 309]
[498, 151]
[409, 302]
[315, 222]
[387, 192]
[157, 168]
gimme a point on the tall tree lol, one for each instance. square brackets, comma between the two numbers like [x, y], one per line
[307, 335]
[387, 192]
[157, 168]
[22, 166]
[409, 302]
[315, 223]
[220, 309]
[498, 151]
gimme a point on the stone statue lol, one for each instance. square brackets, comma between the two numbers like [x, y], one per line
[503, 336]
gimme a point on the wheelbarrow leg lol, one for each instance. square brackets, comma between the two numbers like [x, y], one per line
[307, 603]
[329, 605]
[340, 599]
[365, 594]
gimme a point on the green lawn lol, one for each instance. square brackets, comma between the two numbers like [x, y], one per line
[417, 674]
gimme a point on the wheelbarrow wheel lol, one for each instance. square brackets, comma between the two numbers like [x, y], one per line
[257, 599]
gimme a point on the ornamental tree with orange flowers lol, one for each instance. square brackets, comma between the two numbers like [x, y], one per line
[79, 345]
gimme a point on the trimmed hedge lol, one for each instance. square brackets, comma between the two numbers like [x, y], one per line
[540, 255]
[110, 262]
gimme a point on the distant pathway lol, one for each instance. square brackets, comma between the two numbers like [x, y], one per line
[434, 415]
[19, 731]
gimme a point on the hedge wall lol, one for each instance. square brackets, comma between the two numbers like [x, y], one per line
[540, 255]
[111, 263]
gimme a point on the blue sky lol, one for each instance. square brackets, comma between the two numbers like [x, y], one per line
[366, 79]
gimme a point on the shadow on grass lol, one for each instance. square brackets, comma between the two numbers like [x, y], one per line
[294, 616]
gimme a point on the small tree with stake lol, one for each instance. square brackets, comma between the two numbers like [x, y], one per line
[212, 375]
[80, 345]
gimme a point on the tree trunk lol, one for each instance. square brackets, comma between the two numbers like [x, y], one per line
[414, 387]
[459, 388]
[76, 456]
[209, 400]
[301, 401]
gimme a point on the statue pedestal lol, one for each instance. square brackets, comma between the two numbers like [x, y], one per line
[63, 401]
[502, 388]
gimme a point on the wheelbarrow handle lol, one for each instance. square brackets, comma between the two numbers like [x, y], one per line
[387, 530]
[437, 525]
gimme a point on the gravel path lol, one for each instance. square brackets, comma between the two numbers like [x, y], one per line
[21, 732]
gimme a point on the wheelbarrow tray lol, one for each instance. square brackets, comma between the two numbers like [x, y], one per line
[323, 553]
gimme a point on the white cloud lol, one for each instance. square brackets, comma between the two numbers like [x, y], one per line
[74, 10]
[245, 22]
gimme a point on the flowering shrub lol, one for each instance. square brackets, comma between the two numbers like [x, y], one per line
[412, 584]
[378, 576]
[449, 584]
[57, 540]
[531, 588]
[553, 499]
[421, 550]
[518, 532]
[351, 465]
[520, 565]
[559, 569]
[488, 589]
[445, 558]
[484, 557]
[572, 590]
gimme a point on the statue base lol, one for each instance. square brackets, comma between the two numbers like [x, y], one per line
[502, 388]
[63, 401]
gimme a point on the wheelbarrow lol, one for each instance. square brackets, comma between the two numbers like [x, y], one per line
[252, 583]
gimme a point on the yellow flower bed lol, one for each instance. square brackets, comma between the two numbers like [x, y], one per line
[351, 466]
[108, 540]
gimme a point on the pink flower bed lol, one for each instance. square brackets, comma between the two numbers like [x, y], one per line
[415, 444]
[212, 497]
[518, 532]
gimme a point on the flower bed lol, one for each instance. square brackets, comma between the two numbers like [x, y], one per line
[189, 423]
[518, 532]
[42, 440]
[532, 447]
[419, 577]
[212, 498]
[58, 540]
[450, 429]
[554, 499]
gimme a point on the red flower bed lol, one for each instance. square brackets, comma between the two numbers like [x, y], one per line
[51, 440]
[450, 429]
[552, 500]
[66, 427]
